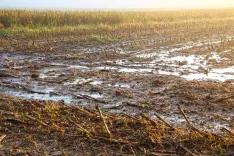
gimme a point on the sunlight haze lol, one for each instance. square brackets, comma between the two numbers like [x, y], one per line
[180, 4]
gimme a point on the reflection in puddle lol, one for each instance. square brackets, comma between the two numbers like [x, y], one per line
[224, 70]
[190, 67]
[168, 73]
[43, 76]
[96, 82]
[15, 93]
[93, 95]
[130, 70]
[177, 119]
[78, 81]
[78, 67]
[222, 75]
[163, 62]
[122, 85]
[216, 126]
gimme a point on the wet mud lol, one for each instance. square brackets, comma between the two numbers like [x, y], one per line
[132, 77]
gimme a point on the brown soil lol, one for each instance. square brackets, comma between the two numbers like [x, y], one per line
[86, 75]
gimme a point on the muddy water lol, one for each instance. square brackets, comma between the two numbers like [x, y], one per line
[119, 83]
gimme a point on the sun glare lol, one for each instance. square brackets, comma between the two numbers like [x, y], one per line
[183, 3]
[118, 4]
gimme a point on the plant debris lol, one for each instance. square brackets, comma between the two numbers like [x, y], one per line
[52, 128]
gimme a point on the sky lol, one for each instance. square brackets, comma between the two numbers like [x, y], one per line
[180, 4]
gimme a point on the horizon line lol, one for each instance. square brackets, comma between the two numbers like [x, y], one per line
[136, 8]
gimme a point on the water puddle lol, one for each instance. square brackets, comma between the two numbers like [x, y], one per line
[119, 85]
[47, 96]
[177, 119]
[78, 81]
[93, 95]
[81, 81]
[130, 70]
[223, 74]
[190, 67]
[123, 85]
[164, 61]
[96, 83]
[78, 67]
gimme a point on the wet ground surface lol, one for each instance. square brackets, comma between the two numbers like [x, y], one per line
[132, 77]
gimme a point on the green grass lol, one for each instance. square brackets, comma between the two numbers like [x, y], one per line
[3, 32]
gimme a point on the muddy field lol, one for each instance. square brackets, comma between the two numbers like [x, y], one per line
[132, 77]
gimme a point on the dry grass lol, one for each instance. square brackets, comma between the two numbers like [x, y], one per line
[30, 124]
[31, 30]
[113, 24]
